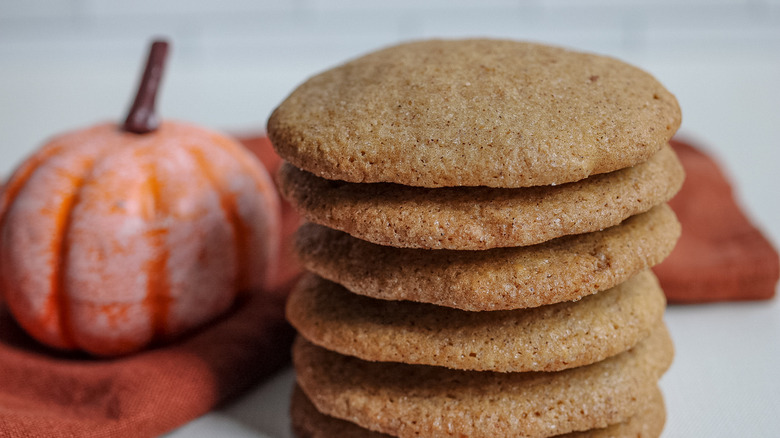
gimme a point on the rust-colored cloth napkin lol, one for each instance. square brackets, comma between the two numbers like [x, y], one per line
[50, 394]
[47, 393]
[720, 256]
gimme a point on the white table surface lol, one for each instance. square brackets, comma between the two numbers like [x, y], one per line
[725, 380]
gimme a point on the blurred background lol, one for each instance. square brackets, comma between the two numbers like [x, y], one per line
[69, 63]
[66, 64]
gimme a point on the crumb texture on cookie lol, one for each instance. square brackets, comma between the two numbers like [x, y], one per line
[564, 269]
[417, 400]
[477, 218]
[548, 338]
[478, 112]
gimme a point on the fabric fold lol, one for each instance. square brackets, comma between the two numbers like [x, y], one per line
[721, 255]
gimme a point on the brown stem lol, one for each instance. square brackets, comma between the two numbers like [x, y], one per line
[141, 118]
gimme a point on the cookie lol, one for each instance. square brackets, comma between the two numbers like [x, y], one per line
[476, 218]
[307, 422]
[475, 112]
[547, 338]
[417, 400]
[563, 269]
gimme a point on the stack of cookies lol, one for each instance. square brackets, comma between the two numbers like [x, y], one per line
[482, 217]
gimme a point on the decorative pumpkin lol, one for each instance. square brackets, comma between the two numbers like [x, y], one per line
[111, 240]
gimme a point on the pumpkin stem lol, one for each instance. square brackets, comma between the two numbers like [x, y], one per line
[141, 118]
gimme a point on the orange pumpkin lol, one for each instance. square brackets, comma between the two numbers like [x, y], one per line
[111, 240]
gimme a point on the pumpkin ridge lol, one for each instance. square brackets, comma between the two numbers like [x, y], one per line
[59, 301]
[19, 179]
[264, 185]
[157, 300]
[46, 321]
[229, 206]
[10, 190]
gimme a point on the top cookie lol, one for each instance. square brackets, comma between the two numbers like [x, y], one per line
[474, 113]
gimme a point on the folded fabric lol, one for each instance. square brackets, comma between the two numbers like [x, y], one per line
[721, 255]
[46, 393]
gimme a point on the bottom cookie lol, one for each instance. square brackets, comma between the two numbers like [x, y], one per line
[308, 422]
[418, 400]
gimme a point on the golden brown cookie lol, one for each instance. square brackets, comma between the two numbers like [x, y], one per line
[476, 218]
[417, 400]
[307, 422]
[477, 112]
[562, 269]
[547, 338]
